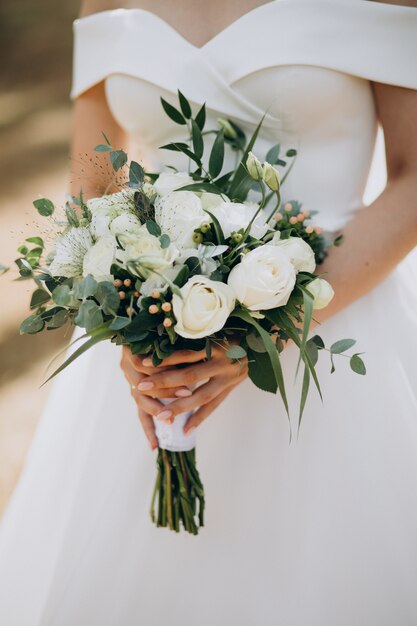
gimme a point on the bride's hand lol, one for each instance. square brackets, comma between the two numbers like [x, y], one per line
[219, 376]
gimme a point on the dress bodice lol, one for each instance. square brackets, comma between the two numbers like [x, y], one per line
[307, 63]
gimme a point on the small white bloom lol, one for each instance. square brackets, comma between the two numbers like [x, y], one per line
[235, 215]
[210, 200]
[178, 214]
[299, 253]
[70, 250]
[271, 176]
[125, 224]
[322, 292]
[169, 181]
[264, 279]
[203, 308]
[99, 259]
[254, 167]
[113, 204]
[146, 249]
[157, 282]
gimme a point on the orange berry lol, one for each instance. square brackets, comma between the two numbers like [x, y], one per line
[288, 207]
[156, 295]
[166, 307]
[318, 230]
[136, 294]
[300, 217]
[309, 230]
[278, 216]
[127, 282]
[293, 220]
[117, 283]
[153, 309]
[122, 295]
[167, 322]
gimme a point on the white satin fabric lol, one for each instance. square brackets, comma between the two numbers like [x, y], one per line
[321, 532]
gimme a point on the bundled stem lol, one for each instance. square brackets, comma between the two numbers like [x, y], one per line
[178, 495]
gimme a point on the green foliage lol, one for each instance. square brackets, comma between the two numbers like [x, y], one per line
[173, 113]
[44, 207]
[217, 155]
[357, 364]
[61, 295]
[118, 159]
[89, 315]
[136, 175]
[153, 228]
[185, 105]
[236, 352]
[32, 325]
[39, 297]
[108, 297]
[342, 345]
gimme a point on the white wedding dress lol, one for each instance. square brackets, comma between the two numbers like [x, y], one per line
[321, 532]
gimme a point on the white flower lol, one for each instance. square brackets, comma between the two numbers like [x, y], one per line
[254, 167]
[99, 259]
[271, 176]
[210, 200]
[125, 224]
[178, 214]
[146, 249]
[203, 308]
[264, 279]
[106, 208]
[299, 253]
[235, 215]
[159, 283]
[70, 250]
[322, 292]
[168, 181]
[205, 255]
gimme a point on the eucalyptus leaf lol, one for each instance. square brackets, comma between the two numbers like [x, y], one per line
[153, 228]
[62, 295]
[118, 159]
[31, 325]
[102, 148]
[273, 154]
[89, 315]
[342, 345]
[84, 288]
[255, 343]
[44, 206]
[136, 175]
[39, 297]
[57, 320]
[108, 297]
[318, 341]
[357, 365]
[164, 240]
[119, 322]
[236, 352]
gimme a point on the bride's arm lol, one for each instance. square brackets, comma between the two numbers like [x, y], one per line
[382, 234]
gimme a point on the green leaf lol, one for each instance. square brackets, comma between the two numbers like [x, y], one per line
[36, 240]
[255, 343]
[118, 158]
[261, 372]
[31, 325]
[71, 215]
[120, 322]
[153, 228]
[102, 148]
[217, 155]
[304, 393]
[197, 138]
[164, 240]
[108, 297]
[105, 138]
[217, 228]
[136, 174]
[318, 341]
[241, 169]
[182, 147]
[23, 249]
[84, 288]
[312, 351]
[273, 154]
[61, 295]
[57, 320]
[210, 187]
[185, 105]
[39, 297]
[291, 152]
[308, 301]
[89, 315]
[342, 345]
[236, 352]
[173, 113]
[44, 207]
[271, 350]
[200, 118]
[3, 269]
[357, 365]
[182, 276]
[25, 268]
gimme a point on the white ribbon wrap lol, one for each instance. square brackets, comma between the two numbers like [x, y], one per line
[171, 436]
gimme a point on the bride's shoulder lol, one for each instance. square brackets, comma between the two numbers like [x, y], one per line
[88, 7]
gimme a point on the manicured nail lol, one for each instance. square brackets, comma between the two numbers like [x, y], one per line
[147, 362]
[190, 431]
[163, 415]
[145, 385]
[183, 393]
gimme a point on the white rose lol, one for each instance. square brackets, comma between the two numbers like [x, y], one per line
[99, 259]
[299, 253]
[204, 307]
[264, 279]
[178, 214]
[234, 215]
[107, 208]
[70, 250]
[210, 200]
[322, 292]
[168, 181]
[125, 224]
[147, 250]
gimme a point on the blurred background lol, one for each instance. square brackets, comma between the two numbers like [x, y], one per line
[35, 124]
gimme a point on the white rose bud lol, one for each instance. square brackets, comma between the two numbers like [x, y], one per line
[254, 167]
[322, 292]
[203, 308]
[99, 259]
[228, 129]
[169, 181]
[299, 253]
[264, 279]
[147, 250]
[271, 176]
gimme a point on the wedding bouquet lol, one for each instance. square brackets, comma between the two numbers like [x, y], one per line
[187, 260]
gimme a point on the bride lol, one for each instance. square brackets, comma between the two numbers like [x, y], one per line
[321, 532]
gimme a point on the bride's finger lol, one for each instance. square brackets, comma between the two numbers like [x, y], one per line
[148, 428]
[204, 411]
[181, 356]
